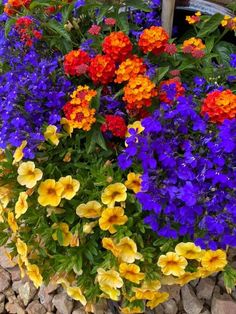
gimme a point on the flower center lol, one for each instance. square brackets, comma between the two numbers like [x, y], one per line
[113, 219]
[115, 194]
[51, 191]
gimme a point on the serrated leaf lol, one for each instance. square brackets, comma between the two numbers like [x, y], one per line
[138, 4]
[8, 26]
[123, 23]
[60, 238]
[59, 29]
[102, 12]
[160, 73]
[224, 50]
[229, 276]
[210, 25]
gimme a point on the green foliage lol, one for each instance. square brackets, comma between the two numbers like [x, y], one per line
[229, 277]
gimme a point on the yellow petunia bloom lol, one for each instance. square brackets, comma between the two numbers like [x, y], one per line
[214, 260]
[127, 250]
[67, 235]
[109, 245]
[159, 297]
[12, 222]
[19, 154]
[21, 205]
[50, 193]
[188, 250]
[21, 248]
[67, 126]
[114, 193]
[131, 310]
[186, 278]
[52, 135]
[131, 272]
[110, 292]
[64, 282]
[76, 294]
[34, 275]
[110, 278]
[88, 227]
[71, 187]
[112, 217]
[172, 264]
[133, 182]
[203, 272]
[92, 209]
[147, 290]
[28, 174]
[74, 242]
[5, 195]
[20, 264]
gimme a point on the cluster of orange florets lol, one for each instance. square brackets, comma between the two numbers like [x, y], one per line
[178, 90]
[193, 19]
[78, 111]
[76, 62]
[117, 45]
[138, 93]
[102, 69]
[130, 68]
[219, 105]
[153, 39]
[12, 6]
[194, 46]
[229, 22]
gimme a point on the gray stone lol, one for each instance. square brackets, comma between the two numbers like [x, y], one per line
[205, 288]
[173, 290]
[15, 273]
[191, 304]
[45, 297]
[2, 307]
[159, 309]
[2, 297]
[220, 282]
[205, 312]
[16, 285]
[223, 304]
[5, 262]
[170, 307]
[5, 280]
[194, 283]
[14, 308]
[100, 307]
[63, 303]
[79, 311]
[27, 292]
[35, 308]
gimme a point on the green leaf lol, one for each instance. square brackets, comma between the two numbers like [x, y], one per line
[95, 103]
[229, 276]
[138, 4]
[59, 29]
[102, 12]
[210, 43]
[8, 26]
[78, 262]
[41, 3]
[123, 23]
[60, 238]
[224, 49]
[160, 73]
[66, 11]
[210, 25]
[3, 238]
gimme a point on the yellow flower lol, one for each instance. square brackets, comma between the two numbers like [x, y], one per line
[172, 264]
[12, 222]
[52, 135]
[71, 187]
[66, 234]
[133, 182]
[188, 250]
[147, 290]
[114, 193]
[74, 242]
[203, 272]
[34, 275]
[159, 297]
[21, 204]
[67, 126]
[50, 192]
[19, 154]
[64, 282]
[28, 174]
[20, 263]
[186, 278]
[131, 272]
[109, 244]
[110, 292]
[112, 217]
[110, 278]
[5, 195]
[214, 260]
[88, 227]
[92, 209]
[129, 310]
[76, 294]
[137, 126]
[21, 248]
[127, 250]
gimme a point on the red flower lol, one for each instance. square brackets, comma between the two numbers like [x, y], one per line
[102, 69]
[25, 27]
[76, 62]
[115, 124]
[170, 49]
[110, 21]
[117, 45]
[94, 30]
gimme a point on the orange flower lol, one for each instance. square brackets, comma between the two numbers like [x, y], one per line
[76, 62]
[82, 96]
[102, 69]
[131, 272]
[112, 217]
[153, 40]
[12, 6]
[194, 46]
[138, 92]
[219, 105]
[194, 18]
[229, 22]
[130, 68]
[117, 45]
